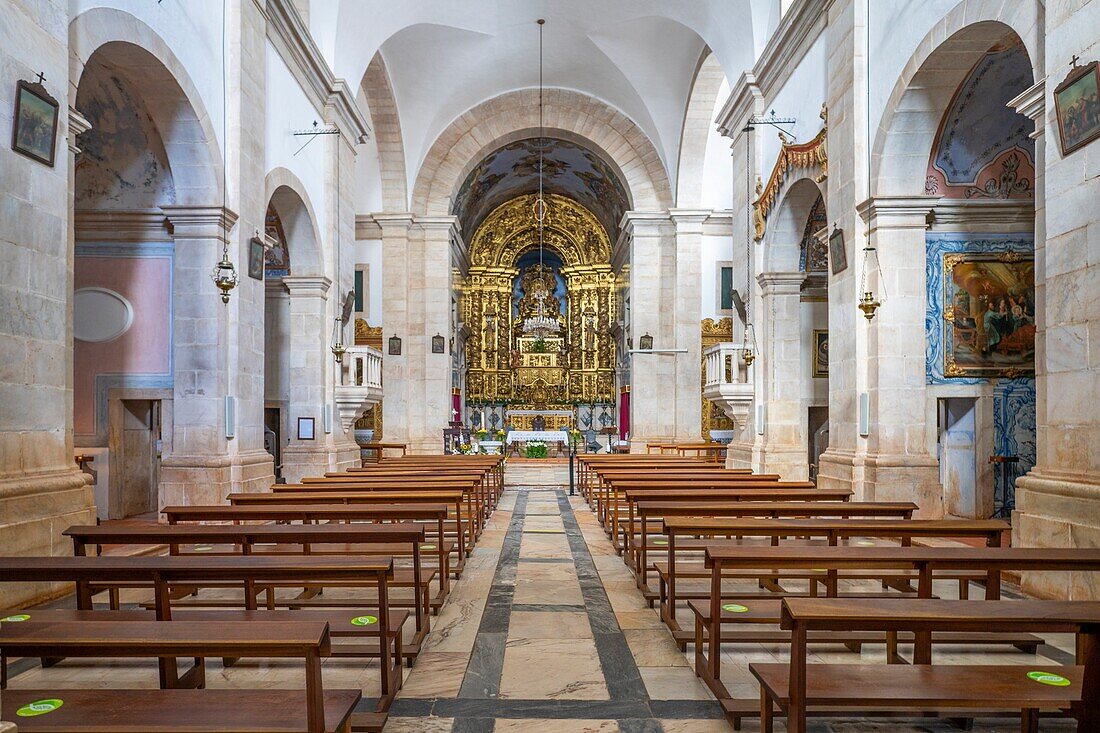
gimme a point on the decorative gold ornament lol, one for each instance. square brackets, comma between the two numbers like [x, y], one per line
[868, 305]
[812, 156]
[225, 275]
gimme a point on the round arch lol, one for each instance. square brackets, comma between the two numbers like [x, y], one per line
[787, 224]
[928, 82]
[698, 114]
[513, 116]
[285, 193]
[137, 53]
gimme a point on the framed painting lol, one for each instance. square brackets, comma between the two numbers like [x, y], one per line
[989, 314]
[821, 353]
[256, 258]
[34, 126]
[838, 256]
[1077, 107]
[306, 428]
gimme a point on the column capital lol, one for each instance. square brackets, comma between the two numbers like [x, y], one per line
[781, 283]
[897, 212]
[447, 224]
[744, 101]
[391, 222]
[78, 123]
[648, 222]
[1032, 103]
[307, 286]
[689, 221]
[200, 222]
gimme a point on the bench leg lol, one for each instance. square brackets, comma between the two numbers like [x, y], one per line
[1029, 721]
[766, 719]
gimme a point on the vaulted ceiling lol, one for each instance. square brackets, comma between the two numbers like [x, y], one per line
[446, 56]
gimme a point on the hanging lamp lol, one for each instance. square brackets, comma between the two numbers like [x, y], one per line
[868, 303]
[224, 275]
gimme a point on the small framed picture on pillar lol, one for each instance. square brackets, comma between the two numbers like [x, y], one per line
[439, 344]
[34, 127]
[395, 345]
[306, 428]
[256, 258]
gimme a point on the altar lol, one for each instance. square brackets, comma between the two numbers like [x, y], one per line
[552, 420]
[545, 436]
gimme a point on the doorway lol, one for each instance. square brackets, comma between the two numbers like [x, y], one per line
[817, 432]
[138, 460]
[957, 426]
[273, 439]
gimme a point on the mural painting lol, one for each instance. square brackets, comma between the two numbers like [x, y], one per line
[989, 314]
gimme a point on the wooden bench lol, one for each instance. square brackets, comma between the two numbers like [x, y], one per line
[314, 540]
[381, 448]
[924, 561]
[797, 688]
[180, 705]
[431, 516]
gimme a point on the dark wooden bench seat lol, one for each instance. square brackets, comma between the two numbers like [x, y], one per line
[180, 705]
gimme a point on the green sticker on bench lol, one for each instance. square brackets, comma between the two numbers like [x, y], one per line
[39, 707]
[203, 548]
[364, 620]
[865, 543]
[734, 608]
[660, 542]
[16, 618]
[1049, 678]
[427, 547]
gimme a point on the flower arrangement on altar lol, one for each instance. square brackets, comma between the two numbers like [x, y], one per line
[482, 434]
[535, 449]
[465, 449]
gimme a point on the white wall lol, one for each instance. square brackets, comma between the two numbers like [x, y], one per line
[815, 392]
[801, 97]
[288, 109]
[369, 252]
[715, 250]
[717, 181]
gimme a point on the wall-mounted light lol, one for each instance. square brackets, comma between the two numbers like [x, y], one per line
[395, 345]
[748, 348]
[645, 343]
[224, 274]
[338, 347]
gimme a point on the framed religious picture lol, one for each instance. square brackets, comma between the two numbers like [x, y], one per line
[838, 256]
[256, 258]
[1077, 104]
[395, 345]
[34, 126]
[988, 314]
[305, 428]
[821, 353]
[439, 344]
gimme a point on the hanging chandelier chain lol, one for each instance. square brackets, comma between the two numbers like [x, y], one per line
[542, 144]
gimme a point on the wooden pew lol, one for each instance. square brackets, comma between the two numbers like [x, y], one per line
[615, 481]
[162, 572]
[831, 531]
[454, 499]
[925, 561]
[846, 689]
[314, 540]
[176, 708]
[432, 516]
[590, 466]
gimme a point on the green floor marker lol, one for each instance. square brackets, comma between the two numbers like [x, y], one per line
[364, 620]
[734, 608]
[39, 707]
[865, 543]
[660, 542]
[1049, 678]
[16, 618]
[203, 548]
[427, 547]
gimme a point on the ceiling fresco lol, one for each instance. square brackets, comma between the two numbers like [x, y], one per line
[983, 149]
[570, 170]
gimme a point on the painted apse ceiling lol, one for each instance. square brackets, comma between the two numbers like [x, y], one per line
[569, 170]
[982, 149]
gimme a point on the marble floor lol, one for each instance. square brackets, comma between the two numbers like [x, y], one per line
[546, 632]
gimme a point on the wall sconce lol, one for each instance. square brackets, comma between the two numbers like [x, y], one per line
[439, 344]
[225, 275]
[338, 347]
[748, 348]
[645, 343]
[395, 345]
[867, 302]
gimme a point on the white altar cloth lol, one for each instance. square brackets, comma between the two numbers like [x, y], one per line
[546, 436]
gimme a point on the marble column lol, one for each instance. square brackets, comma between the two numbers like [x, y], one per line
[308, 356]
[898, 453]
[397, 379]
[1058, 501]
[688, 334]
[782, 449]
[433, 294]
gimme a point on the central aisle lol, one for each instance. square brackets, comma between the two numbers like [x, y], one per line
[547, 632]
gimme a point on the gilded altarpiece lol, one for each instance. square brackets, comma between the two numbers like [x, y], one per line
[713, 333]
[506, 365]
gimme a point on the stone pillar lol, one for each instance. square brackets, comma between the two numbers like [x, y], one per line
[651, 255]
[308, 355]
[899, 453]
[782, 449]
[1058, 501]
[41, 490]
[397, 381]
[688, 307]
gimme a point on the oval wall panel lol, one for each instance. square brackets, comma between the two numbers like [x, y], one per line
[100, 315]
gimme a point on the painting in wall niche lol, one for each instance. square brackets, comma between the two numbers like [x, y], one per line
[821, 353]
[277, 257]
[34, 129]
[989, 314]
[1077, 100]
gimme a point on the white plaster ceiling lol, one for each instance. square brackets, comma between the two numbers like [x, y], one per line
[446, 56]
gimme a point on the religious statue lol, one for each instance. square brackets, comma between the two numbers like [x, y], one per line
[537, 284]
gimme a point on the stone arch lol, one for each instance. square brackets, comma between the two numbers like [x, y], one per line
[387, 134]
[567, 114]
[787, 225]
[698, 115]
[927, 84]
[138, 54]
[286, 194]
